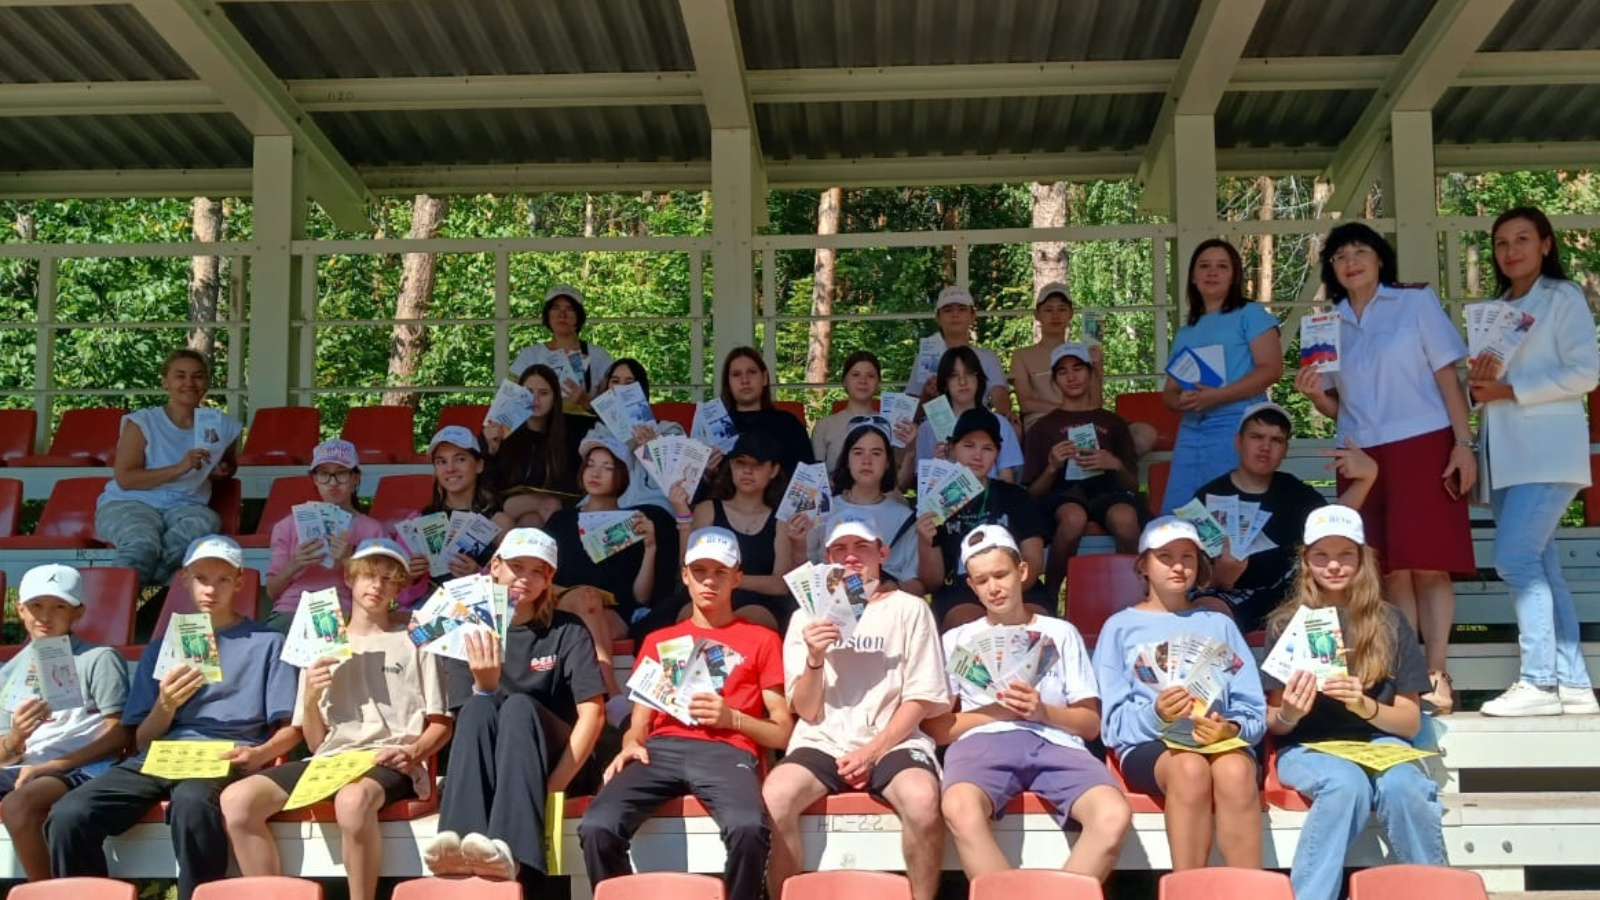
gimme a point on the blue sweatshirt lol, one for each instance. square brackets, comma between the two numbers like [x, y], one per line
[1128, 704]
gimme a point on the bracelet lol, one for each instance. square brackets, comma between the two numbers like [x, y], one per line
[1376, 708]
[817, 666]
[1285, 722]
[738, 720]
[478, 693]
[1470, 445]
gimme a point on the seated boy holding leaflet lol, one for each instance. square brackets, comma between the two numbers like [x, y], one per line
[47, 752]
[388, 697]
[249, 708]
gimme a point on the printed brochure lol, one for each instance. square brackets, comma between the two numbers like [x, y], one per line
[1312, 641]
[1319, 341]
[686, 667]
[190, 641]
[897, 408]
[317, 631]
[605, 534]
[45, 670]
[1200, 665]
[944, 487]
[996, 656]
[622, 409]
[941, 418]
[713, 426]
[512, 405]
[425, 536]
[809, 492]
[1192, 367]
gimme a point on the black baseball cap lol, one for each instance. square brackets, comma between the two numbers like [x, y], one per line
[977, 419]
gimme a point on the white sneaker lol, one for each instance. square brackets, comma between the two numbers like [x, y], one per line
[489, 857]
[1577, 701]
[442, 856]
[1523, 699]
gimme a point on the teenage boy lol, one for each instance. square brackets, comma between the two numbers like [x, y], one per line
[1076, 485]
[861, 704]
[388, 697]
[252, 706]
[975, 443]
[1031, 374]
[1032, 739]
[718, 758]
[46, 753]
[1250, 588]
[955, 312]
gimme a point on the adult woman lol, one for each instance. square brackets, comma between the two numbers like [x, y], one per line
[863, 486]
[747, 394]
[564, 315]
[1377, 702]
[1397, 396]
[1221, 321]
[1203, 791]
[862, 378]
[1534, 425]
[960, 379]
[155, 504]
[535, 467]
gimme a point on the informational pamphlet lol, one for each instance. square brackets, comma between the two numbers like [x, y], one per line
[472, 535]
[512, 405]
[317, 630]
[1094, 324]
[687, 666]
[177, 760]
[1313, 642]
[190, 641]
[1086, 440]
[672, 458]
[325, 775]
[929, 351]
[310, 525]
[944, 487]
[1319, 341]
[459, 605]
[208, 432]
[425, 536]
[809, 492]
[1212, 535]
[941, 418]
[1200, 665]
[994, 657]
[1496, 329]
[898, 408]
[1377, 757]
[623, 408]
[560, 363]
[713, 426]
[1193, 367]
[607, 533]
[47, 671]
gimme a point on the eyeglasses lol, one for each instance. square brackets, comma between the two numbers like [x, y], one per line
[342, 476]
[1351, 254]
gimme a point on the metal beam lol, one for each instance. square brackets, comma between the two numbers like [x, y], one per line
[200, 32]
[1216, 39]
[1444, 43]
[718, 61]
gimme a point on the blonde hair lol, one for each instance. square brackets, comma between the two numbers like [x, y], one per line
[378, 566]
[1369, 636]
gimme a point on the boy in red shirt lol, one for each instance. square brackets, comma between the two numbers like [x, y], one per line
[717, 758]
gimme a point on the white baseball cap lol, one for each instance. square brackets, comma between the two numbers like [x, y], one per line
[985, 538]
[1166, 529]
[53, 580]
[952, 295]
[1334, 521]
[564, 290]
[1079, 352]
[215, 546]
[1266, 406]
[456, 435]
[526, 543]
[713, 543]
[852, 526]
[381, 547]
[338, 451]
[1050, 290]
[612, 445]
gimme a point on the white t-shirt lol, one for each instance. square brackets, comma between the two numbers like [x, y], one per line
[164, 444]
[102, 677]
[1070, 680]
[1387, 362]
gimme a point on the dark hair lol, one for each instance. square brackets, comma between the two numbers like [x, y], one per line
[754, 355]
[186, 353]
[483, 496]
[969, 358]
[1235, 299]
[519, 465]
[1550, 264]
[622, 476]
[860, 356]
[634, 366]
[1356, 233]
[1269, 416]
[724, 489]
[843, 480]
[544, 311]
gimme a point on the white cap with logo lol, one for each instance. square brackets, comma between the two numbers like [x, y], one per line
[457, 435]
[1334, 521]
[381, 547]
[528, 543]
[53, 580]
[985, 538]
[215, 546]
[852, 526]
[954, 295]
[1163, 531]
[338, 451]
[715, 544]
[1079, 352]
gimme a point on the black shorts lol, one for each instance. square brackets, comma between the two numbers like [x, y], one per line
[1097, 507]
[396, 785]
[826, 768]
[1138, 765]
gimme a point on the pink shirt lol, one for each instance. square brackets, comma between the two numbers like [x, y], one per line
[315, 578]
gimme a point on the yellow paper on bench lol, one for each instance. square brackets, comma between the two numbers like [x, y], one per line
[1376, 757]
[327, 774]
[1232, 743]
[176, 760]
[555, 820]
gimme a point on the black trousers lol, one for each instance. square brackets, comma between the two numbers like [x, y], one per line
[114, 802]
[721, 776]
[500, 762]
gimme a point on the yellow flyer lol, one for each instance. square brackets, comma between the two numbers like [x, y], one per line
[555, 817]
[327, 774]
[176, 760]
[1212, 749]
[1376, 757]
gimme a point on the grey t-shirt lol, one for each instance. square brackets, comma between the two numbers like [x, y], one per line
[104, 680]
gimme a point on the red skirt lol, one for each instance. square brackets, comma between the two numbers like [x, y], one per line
[1410, 518]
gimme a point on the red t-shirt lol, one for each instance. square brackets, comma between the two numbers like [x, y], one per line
[760, 668]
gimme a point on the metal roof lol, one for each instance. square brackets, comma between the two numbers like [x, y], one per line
[550, 94]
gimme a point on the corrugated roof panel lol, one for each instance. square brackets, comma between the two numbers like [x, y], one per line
[391, 38]
[803, 34]
[124, 142]
[506, 136]
[1518, 114]
[1288, 118]
[1336, 27]
[83, 43]
[1546, 25]
[924, 127]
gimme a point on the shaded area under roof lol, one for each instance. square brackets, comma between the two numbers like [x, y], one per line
[1288, 118]
[124, 142]
[1336, 27]
[82, 43]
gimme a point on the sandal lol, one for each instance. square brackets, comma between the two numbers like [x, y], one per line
[1441, 701]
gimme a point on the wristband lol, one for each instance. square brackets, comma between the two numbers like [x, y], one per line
[1285, 722]
[478, 693]
[1376, 708]
[817, 666]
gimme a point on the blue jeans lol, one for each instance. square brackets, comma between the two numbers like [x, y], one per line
[1525, 519]
[1343, 795]
[1204, 450]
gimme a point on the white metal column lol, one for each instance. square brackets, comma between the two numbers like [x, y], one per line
[1194, 194]
[1416, 200]
[277, 181]
[732, 233]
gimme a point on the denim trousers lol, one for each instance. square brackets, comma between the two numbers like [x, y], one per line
[1343, 796]
[1204, 450]
[1525, 555]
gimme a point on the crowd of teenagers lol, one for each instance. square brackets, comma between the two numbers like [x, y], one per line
[892, 701]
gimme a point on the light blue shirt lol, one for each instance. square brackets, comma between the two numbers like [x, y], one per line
[1233, 331]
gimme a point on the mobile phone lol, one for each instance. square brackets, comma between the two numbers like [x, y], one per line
[1452, 485]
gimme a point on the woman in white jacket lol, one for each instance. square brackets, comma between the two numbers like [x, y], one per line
[1537, 438]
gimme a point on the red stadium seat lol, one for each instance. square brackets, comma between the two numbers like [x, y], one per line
[1034, 884]
[67, 522]
[1099, 585]
[75, 889]
[1412, 882]
[1594, 416]
[794, 408]
[837, 883]
[227, 498]
[259, 887]
[674, 411]
[10, 506]
[839, 405]
[179, 601]
[284, 495]
[1591, 495]
[456, 889]
[467, 415]
[282, 436]
[1160, 474]
[1222, 881]
[16, 433]
[86, 437]
[1273, 790]
[398, 496]
[1146, 407]
[382, 434]
[661, 886]
[110, 594]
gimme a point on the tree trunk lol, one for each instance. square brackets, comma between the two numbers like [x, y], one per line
[1049, 211]
[204, 272]
[410, 341]
[1269, 199]
[823, 287]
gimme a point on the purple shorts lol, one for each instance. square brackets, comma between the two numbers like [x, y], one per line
[1004, 764]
